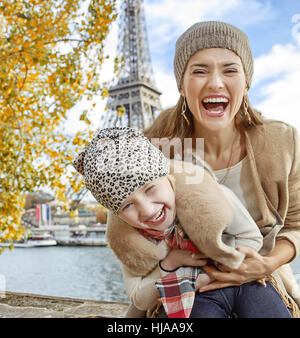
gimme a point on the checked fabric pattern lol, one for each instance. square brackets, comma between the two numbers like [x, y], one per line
[177, 288]
[177, 291]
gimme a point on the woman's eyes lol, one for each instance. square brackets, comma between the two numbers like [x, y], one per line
[198, 71]
[231, 71]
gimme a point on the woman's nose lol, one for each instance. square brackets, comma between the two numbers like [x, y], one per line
[215, 80]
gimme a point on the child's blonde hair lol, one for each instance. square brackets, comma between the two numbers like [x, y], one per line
[171, 179]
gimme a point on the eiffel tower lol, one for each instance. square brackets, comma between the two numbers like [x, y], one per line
[135, 88]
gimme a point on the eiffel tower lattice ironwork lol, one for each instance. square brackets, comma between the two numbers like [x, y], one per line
[135, 88]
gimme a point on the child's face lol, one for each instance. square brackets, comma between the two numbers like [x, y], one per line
[152, 206]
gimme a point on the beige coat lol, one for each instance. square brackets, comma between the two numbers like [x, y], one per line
[274, 152]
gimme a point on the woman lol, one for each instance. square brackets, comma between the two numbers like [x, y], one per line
[257, 159]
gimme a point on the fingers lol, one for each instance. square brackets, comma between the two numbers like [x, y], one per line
[223, 276]
[202, 280]
[222, 268]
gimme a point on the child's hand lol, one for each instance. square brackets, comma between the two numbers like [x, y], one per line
[177, 258]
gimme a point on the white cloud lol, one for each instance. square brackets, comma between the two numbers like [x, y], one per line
[279, 61]
[283, 99]
[169, 18]
[281, 67]
[184, 13]
[167, 85]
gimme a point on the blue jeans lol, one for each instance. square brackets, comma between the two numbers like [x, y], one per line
[249, 300]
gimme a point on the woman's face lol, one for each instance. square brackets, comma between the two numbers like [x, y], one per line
[214, 84]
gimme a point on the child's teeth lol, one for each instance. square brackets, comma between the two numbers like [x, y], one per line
[161, 213]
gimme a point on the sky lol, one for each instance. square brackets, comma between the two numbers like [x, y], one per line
[273, 27]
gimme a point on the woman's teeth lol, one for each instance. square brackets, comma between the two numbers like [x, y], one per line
[215, 105]
[218, 111]
[215, 100]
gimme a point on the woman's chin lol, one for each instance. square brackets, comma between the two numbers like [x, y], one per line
[215, 125]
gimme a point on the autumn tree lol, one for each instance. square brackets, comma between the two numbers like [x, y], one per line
[51, 54]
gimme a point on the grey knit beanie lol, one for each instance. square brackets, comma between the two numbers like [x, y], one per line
[212, 34]
[117, 162]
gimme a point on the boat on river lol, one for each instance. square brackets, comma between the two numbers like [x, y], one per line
[33, 239]
[81, 235]
[64, 235]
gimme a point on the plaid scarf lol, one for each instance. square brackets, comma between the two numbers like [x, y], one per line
[177, 288]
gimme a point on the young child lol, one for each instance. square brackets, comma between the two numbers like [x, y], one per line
[130, 177]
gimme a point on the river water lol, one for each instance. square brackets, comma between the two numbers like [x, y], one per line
[64, 271]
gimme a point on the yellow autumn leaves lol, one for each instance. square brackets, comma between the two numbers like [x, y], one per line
[50, 58]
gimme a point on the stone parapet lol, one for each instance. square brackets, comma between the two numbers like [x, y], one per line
[24, 305]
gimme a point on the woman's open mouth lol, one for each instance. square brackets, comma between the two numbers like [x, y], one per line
[215, 106]
[159, 218]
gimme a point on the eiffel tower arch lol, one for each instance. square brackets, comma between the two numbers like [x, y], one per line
[135, 88]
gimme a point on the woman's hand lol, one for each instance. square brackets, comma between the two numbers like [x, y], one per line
[254, 267]
[177, 258]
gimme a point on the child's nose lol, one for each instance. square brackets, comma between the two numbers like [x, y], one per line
[145, 210]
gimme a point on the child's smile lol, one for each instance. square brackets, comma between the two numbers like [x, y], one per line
[158, 219]
[151, 207]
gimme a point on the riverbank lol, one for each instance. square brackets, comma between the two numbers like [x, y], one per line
[26, 305]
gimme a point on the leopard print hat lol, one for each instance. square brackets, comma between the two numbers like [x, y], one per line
[117, 162]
